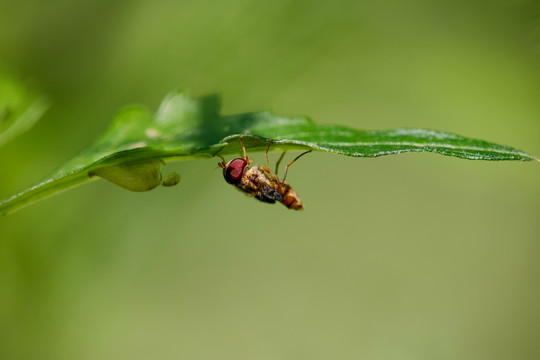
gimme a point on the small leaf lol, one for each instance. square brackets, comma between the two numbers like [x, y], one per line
[129, 152]
[20, 108]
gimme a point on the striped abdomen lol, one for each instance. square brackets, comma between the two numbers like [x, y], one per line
[290, 198]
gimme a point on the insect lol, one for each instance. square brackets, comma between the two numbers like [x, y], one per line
[260, 182]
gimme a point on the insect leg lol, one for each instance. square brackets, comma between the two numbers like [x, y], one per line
[279, 161]
[289, 164]
[268, 148]
[243, 148]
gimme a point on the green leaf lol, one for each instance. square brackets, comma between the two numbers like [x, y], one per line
[129, 154]
[20, 108]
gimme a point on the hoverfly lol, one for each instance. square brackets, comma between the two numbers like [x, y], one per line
[260, 182]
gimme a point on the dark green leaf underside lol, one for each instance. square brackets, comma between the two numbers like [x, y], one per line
[184, 127]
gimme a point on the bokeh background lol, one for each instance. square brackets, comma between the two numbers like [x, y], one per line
[416, 256]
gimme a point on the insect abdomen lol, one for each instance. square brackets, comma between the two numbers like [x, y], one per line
[290, 198]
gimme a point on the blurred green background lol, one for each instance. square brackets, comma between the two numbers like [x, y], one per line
[415, 256]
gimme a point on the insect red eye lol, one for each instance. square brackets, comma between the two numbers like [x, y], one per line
[233, 172]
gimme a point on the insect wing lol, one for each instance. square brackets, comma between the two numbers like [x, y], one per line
[271, 193]
[269, 189]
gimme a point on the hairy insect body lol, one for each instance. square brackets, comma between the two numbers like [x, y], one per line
[260, 182]
[255, 182]
[266, 187]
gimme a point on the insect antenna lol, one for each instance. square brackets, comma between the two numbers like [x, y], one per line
[222, 164]
[289, 164]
